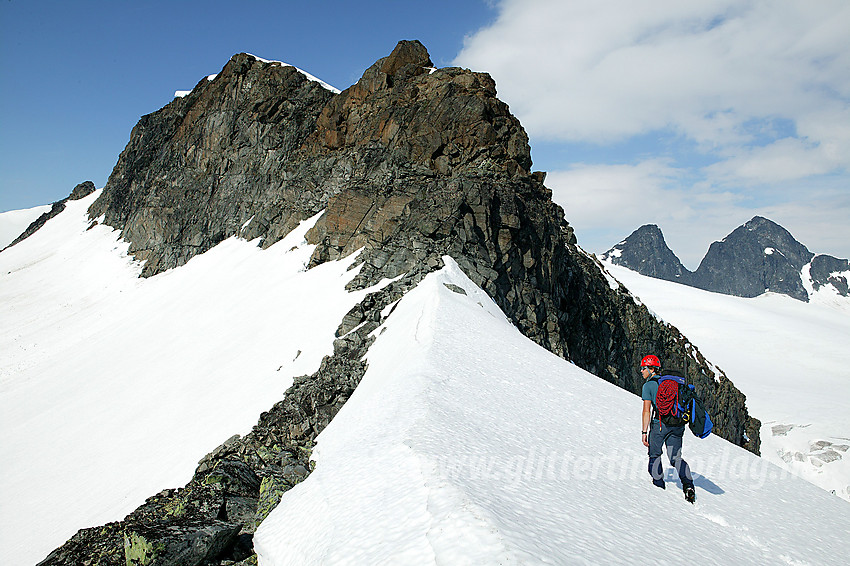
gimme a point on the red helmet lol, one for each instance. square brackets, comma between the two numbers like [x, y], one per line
[650, 361]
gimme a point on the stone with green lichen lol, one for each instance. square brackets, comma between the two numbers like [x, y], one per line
[268, 453]
[234, 477]
[138, 551]
[176, 507]
[185, 542]
[272, 489]
[250, 561]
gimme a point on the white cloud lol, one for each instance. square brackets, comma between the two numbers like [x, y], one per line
[731, 108]
[614, 68]
[605, 203]
[600, 194]
[788, 158]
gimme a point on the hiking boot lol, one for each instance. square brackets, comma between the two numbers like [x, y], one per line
[690, 494]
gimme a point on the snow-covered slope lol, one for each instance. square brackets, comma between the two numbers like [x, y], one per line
[466, 443]
[14, 222]
[791, 359]
[113, 387]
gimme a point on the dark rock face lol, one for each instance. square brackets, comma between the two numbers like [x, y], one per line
[756, 257]
[82, 190]
[828, 270]
[198, 170]
[408, 165]
[646, 252]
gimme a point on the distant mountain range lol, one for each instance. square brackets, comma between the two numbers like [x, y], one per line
[757, 257]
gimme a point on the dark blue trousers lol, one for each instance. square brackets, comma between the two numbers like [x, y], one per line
[659, 435]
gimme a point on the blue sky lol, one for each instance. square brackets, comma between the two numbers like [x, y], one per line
[691, 115]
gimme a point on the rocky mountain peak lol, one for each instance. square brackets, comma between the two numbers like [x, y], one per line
[409, 58]
[775, 236]
[646, 252]
[756, 257]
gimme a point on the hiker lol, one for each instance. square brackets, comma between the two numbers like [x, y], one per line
[655, 433]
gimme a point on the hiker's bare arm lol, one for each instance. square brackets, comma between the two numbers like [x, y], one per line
[645, 418]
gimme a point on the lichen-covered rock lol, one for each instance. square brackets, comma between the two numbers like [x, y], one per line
[179, 543]
[271, 491]
[97, 546]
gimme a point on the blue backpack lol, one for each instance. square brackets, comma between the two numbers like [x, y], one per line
[677, 404]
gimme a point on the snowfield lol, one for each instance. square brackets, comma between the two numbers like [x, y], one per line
[791, 359]
[112, 387]
[465, 443]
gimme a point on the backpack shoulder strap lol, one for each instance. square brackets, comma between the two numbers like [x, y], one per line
[654, 416]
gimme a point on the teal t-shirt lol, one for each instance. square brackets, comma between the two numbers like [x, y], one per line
[650, 388]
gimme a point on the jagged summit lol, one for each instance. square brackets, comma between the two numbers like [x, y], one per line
[757, 257]
[646, 252]
[260, 148]
[409, 58]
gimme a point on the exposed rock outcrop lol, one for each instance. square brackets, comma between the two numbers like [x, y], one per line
[646, 252]
[826, 270]
[756, 257]
[82, 190]
[409, 164]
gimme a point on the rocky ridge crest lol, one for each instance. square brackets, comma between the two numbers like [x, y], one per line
[409, 164]
[82, 190]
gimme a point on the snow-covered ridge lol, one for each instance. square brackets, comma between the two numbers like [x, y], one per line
[788, 357]
[466, 443]
[182, 93]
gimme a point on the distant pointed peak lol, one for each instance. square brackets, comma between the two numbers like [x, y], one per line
[757, 222]
[758, 256]
[648, 229]
[646, 252]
